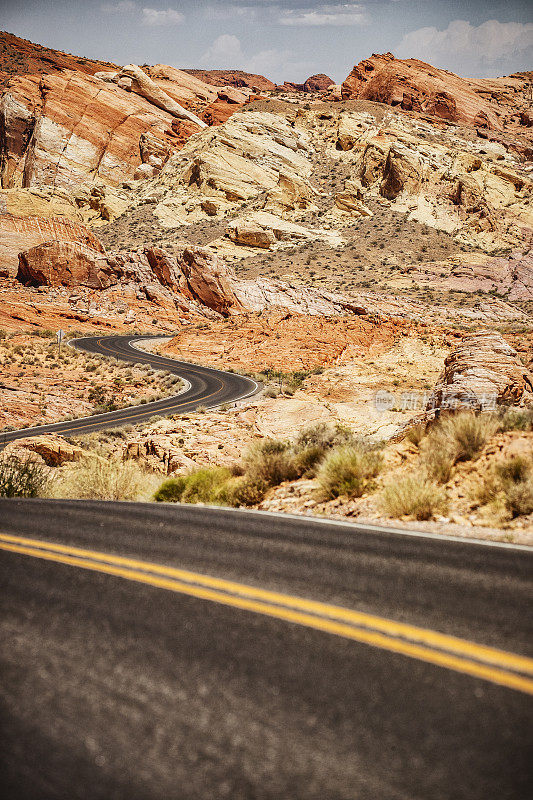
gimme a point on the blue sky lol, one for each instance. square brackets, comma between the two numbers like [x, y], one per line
[287, 39]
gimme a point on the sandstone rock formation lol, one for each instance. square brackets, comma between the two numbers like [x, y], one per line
[53, 449]
[264, 230]
[69, 127]
[19, 233]
[482, 197]
[482, 371]
[416, 86]
[21, 57]
[64, 264]
[318, 83]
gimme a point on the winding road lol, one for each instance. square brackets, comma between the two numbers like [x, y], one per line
[173, 652]
[204, 387]
[154, 651]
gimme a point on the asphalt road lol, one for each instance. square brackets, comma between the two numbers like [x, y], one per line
[207, 387]
[198, 653]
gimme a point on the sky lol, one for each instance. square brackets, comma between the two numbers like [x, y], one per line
[286, 39]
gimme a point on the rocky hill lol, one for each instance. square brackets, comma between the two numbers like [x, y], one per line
[233, 77]
[21, 57]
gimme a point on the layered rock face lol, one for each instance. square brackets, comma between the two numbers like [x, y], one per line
[20, 233]
[482, 196]
[65, 129]
[252, 153]
[482, 371]
[416, 86]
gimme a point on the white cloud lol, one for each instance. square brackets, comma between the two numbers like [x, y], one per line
[464, 46]
[226, 53]
[331, 15]
[153, 17]
[123, 7]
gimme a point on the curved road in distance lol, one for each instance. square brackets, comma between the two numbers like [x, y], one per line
[168, 652]
[207, 387]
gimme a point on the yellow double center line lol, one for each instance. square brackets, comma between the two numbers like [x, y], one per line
[497, 666]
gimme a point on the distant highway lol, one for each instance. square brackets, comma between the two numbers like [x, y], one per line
[168, 652]
[206, 387]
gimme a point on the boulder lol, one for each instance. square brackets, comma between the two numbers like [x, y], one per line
[53, 449]
[208, 281]
[402, 172]
[318, 83]
[482, 371]
[22, 233]
[65, 264]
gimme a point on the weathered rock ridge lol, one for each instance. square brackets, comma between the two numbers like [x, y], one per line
[482, 371]
[414, 85]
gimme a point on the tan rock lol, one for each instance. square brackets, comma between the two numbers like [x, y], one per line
[143, 85]
[483, 370]
[53, 449]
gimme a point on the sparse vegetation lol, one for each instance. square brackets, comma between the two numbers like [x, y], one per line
[348, 470]
[509, 486]
[413, 496]
[98, 478]
[456, 438]
[21, 476]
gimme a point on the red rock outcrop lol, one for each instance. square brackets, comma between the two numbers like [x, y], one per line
[318, 83]
[208, 280]
[22, 233]
[482, 371]
[65, 264]
[414, 85]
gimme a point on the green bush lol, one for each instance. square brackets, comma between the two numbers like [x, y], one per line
[241, 491]
[314, 442]
[514, 419]
[171, 490]
[348, 470]
[413, 496]
[21, 476]
[510, 484]
[203, 485]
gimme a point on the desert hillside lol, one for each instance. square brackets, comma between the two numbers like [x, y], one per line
[337, 241]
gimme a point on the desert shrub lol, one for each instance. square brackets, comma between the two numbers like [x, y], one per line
[203, 485]
[416, 434]
[514, 419]
[518, 497]
[314, 442]
[98, 478]
[270, 461]
[470, 433]
[241, 491]
[21, 476]
[348, 470]
[270, 392]
[413, 496]
[456, 438]
[509, 485]
[171, 490]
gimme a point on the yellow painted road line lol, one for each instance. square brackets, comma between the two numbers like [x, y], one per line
[496, 674]
[414, 633]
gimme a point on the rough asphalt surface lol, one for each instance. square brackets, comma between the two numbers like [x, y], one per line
[208, 387]
[113, 689]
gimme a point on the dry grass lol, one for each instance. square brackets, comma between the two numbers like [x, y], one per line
[97, 478]
[509, 487]
[413, 496]
[461, 437]
[348, 471]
